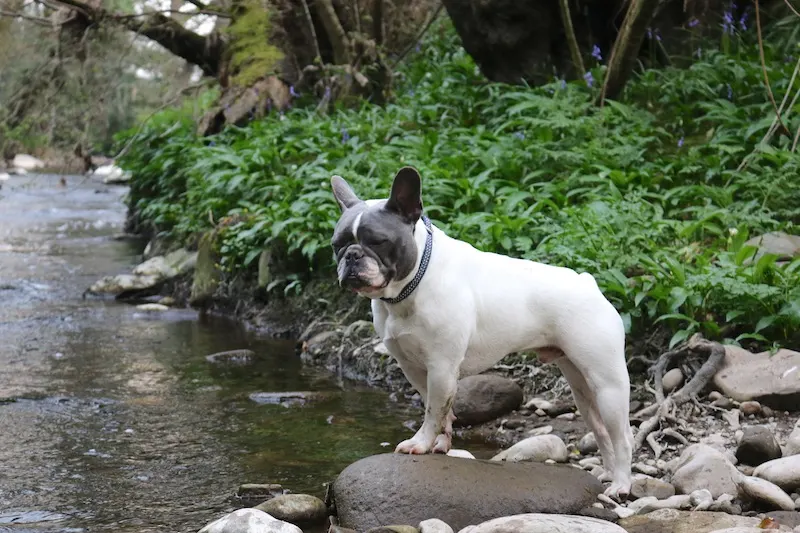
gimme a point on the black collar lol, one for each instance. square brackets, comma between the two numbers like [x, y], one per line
[423, 266]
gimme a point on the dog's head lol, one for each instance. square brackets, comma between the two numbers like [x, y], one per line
[373, 243]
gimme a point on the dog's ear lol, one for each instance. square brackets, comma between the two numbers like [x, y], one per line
[343, 193]
[406, 199]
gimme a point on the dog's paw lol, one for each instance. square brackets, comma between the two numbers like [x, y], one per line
[413, 446]
[618, 491]
[443, 443]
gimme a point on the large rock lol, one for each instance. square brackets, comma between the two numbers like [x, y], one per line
[648, 486]
[27, 162]
[757, 445]
[773, 380]
[782, 244]
[407, 489]
[784, 472]
[544, 523]
[148, 275]
[702, 467]
[249, 521]
[538, 449]
[485, 397]
[675, 521]
[298, 509]
[763, 491]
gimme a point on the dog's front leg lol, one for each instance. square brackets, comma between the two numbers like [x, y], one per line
[437, 428]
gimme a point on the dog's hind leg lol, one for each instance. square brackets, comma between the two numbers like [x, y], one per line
[583, 399]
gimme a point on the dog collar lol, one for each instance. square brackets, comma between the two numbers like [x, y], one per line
[423, 266]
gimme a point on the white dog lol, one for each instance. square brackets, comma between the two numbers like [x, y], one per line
[446, 310]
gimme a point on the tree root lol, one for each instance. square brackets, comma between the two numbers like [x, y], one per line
[665, 407]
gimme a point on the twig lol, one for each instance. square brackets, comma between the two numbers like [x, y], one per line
[421, 34]
[764, 70]
[792, 8]
[572, 41]
[313, 31]
[13, 14]
[716, 356]
[652, 441]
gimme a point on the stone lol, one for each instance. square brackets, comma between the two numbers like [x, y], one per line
[590, 462]
[772, 380]
[483, 398]
[283, 398]
[785, 518]
[258, 490]
[208, 275]
[587, 444]
[298, 509]
[147, 276]
[702, 467]
[757, 445]
[677, 521]
[546, 523]
[464, 454]
[732, 418]
[784, 245]
[538, 403]
[393, 529]
[537, 449]
[599, 512]
[385, 489]
[249, 520]
[232, 357]
[714, 395]
[750, 407]
[650, 503]
[434, 525]
[27, 162]
[649, 486]
[793, 442]
[646, 469]
[152, 308]
[784, 472]
[541, 430]
[672, 380]
[701, 500]
[763, 491]
[337, 529]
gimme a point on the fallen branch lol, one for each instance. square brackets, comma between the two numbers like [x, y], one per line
[664, 407]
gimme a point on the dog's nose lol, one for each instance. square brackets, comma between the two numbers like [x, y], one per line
[351, 256]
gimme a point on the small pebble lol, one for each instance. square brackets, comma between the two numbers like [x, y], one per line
[587, 444]
[723, 403]
[646, 469]
[672, 380]
[766, 411]
[567, 416]
[542, 430]
[714, 395]
[750, 408]
[540, 412]
[590, 462]
[624, 512]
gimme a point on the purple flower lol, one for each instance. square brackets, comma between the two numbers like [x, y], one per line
[589, 79]
[345, 136]
[649, 33]
[327, 92]
[519, 135]
[680, 142]
[743, 22]
[658, 35]
[563, 84]
[417, 48]
[698, 52]
[411, 92]
[730, 92]
[727, 22]
[694, 22]
[596, 53]
[294, 93]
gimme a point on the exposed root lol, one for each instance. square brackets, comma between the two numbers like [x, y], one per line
[664, 408]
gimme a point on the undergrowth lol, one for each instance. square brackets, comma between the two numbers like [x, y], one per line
[644, 192]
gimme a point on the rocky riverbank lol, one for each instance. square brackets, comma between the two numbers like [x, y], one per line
[729, 458]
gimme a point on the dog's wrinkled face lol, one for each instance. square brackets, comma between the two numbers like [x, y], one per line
[373, 243]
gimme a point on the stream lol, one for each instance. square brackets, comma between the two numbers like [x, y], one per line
[112, 419]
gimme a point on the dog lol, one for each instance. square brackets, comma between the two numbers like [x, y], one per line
[446, 310]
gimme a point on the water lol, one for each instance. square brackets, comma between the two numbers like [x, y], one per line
[111, 419]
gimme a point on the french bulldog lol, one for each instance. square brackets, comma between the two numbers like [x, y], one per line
[446, 310]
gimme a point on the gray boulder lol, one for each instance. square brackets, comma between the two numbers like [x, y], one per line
[485, 397]
[249, 521]
[649, 486]
[298, 509]
[544, 523]
[675, 521]
[702, 467]
[146, 276]
[757, 445]
[386, 489]
[772, 380]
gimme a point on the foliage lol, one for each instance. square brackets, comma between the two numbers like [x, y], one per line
[644, 192]
[252, 56]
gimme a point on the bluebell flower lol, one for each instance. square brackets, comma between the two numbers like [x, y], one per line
[730, 92]
[589, 79]
[658, 35]
[649, 33]
[680, 142]
[345, 136]
[699, 52]
[743, 22]
[417, 48]
[327, 92]
[294, 93]
[212, 143]
[519, 135]
[411, 92]
[694, 22]
[596, 53]
[727, 22]
[563, 84]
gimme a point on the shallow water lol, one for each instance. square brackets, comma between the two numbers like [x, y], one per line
[111, 419]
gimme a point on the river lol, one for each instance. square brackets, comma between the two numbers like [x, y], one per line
[111, 419]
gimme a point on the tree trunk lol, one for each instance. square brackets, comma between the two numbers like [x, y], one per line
[627, 46]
